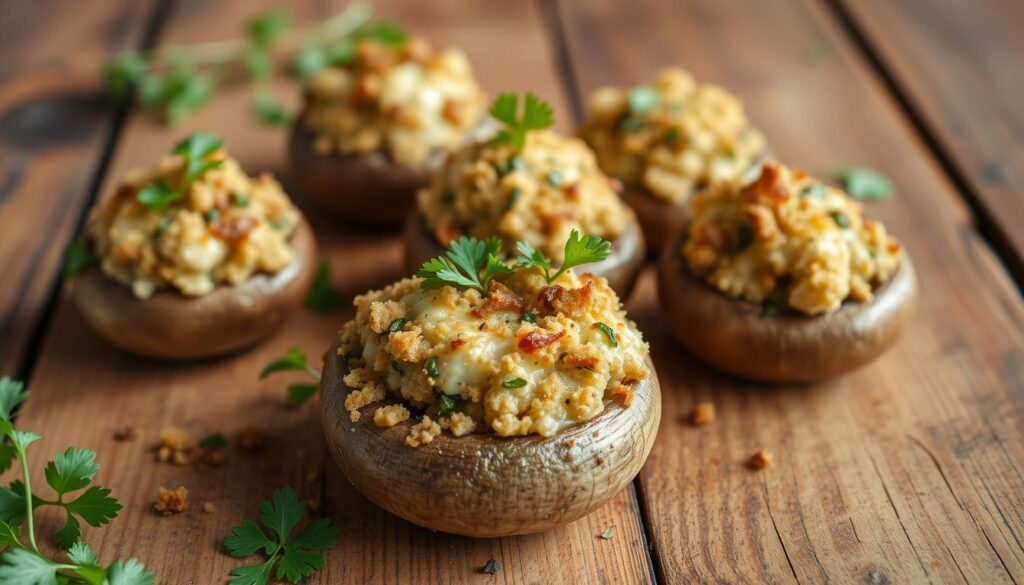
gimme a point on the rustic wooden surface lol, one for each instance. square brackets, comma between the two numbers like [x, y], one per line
[907, 471]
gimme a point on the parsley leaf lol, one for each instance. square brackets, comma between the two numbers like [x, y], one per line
[578, 250]
[268, 112]
[81, 554]
[196, 151]
[21, 565]
[295, 360]
[462, 263]
[323, 297]
[299, 392]
[537, 115]
[266, 28]
[214, 441]
[864, 184]
[446, 404]
[608, 533]
[158, 195]
[295, 559]
[643, 99]
[514, 383]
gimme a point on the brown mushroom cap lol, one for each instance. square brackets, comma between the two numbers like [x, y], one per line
[483, 485]
[736, 337]
[661, 219]
[621, 268]
[171, 325]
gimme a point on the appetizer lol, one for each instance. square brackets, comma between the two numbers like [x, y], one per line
[489, 398]
[784, 281]
[668, 140]
[527, 184]
[377, 122]
[194, 257]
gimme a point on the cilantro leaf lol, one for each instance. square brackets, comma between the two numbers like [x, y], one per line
[9, 535]
[130, 572]
[282, 512]
[95, 506]
[81, 554]
[537, 115]
[71, 470]
[296, 564]
[323, 297]
[12, 393]
[462, 263]
[196, 148]
[319, 535]
[266, 28]
[77, 257]
[21, 565]
[158, 195]
[578, 250]
[252, 574]
[247, 538]
[864, 184]
[268, 112]
[530, 256]
[70, 533]
[293, 360]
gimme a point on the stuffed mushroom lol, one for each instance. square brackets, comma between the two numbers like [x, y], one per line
[376, 123]
[532, 186]
[195, 258]
[784, 280]
[487, 398]
[668, 140]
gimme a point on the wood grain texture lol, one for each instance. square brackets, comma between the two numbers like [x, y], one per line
[54, 124]
[906, 471]
[958, 66]
[84, 389]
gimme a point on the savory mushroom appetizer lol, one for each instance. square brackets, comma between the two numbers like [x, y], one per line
[784, 281]
[194, 257]
[489, 399]
[376, 124]
[526, 184]
[668, 140]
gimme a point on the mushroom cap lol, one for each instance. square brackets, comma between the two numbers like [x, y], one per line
[736, 337]
[173, 326]
[484, 485]
[621, 267]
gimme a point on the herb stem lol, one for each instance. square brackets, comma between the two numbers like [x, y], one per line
[29, 520]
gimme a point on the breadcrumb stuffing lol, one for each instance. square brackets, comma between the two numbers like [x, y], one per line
[171, 501]
[177, 447]
[389, 416]
[703, 414]
[761, 459]
[458, 424]
[422, 432]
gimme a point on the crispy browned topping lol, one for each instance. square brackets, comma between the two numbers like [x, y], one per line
[703, 414]
[171, 501]
[761, 459]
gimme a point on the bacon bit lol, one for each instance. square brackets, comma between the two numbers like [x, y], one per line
[457, 343]
[770, 184]
[446, 232]
[499, 298]
[535, 340]
[571, 191]
[548, 296]
[893, 246]
[233, 229]
[587, 362]
[575, 301]
[760, 460]
[626, 394]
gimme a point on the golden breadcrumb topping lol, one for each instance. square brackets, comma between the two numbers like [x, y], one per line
[526, 358]
[171, 501]
[671, 136]
[227, 228]
[789, 239]
[402, 99]
[538, 194]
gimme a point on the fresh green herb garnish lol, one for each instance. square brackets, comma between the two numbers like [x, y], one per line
[555, 179]
[431, 367]
[268, 112]
[511, 165]
[863, 184]
[513, 197]
[537, 115]
[463, 263]
[609, 333]
[769, 308]
[77, 257]
[814, 192]
[491, 567]
[68, 472]
[240, 199]
[672, 136]
[196, 151]
[840, 218]
[608, 533]
[296, 558]
[744, 236]
[643, 99]
[514, 383]
[161, 227]
[446, 404]
[530, 317]
[214, 441]
[295, 360]
[323, 297]
[578, 251]
[211, 215]
[396, 325]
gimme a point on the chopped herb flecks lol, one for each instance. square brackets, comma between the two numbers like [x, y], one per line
[609, 333]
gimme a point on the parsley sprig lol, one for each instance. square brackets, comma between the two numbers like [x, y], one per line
[324, 297]
[468, 263]
[196, 150]
[537, 115]
[69, 472]
[295, 360]
[295, 558]
[864, 184]
[578, 250]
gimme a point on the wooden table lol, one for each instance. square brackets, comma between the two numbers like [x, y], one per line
[907, 471]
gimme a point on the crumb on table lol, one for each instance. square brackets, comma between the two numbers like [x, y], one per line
[702, 414]
[177, 447]
[171, 501]
[761, 459]
[252, 438]
[209, 508]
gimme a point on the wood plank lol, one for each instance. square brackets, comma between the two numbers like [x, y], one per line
[906, 471]
[958, 65]
[54, 124]
[84, 390]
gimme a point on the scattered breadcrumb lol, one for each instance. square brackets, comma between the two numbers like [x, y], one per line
[422, 432]
[125, 434]
[209, 508]
[252, 438]
[212, 457]
[391, 415]
[458, 424]
[595, 434]
[761, 459]
[624, 393]
[703, 414]
[171, 501]
[177, 447]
